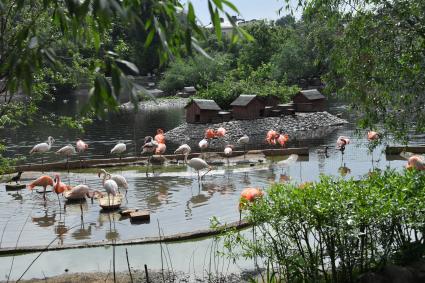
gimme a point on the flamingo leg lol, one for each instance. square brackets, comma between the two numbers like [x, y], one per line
[109, 200]
[59, 201]
[67, 163]
[244, 151]
[44, 193]
[199, 178]
[42, 164]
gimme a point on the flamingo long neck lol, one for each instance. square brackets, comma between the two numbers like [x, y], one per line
[104, 178]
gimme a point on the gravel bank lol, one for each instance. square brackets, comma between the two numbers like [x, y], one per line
[302, 126]
[159, 103]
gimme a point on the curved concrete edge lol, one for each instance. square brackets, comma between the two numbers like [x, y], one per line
[197, 234]
[126, 161]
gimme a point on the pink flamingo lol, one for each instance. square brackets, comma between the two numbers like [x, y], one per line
[271, 137]
[416, 162]
[221, 132]
[60, 187]
[341, 142]
[372, 136]
[43, 181]
[248, 195]
[282, 139]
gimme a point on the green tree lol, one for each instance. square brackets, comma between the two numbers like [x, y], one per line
[378, 61]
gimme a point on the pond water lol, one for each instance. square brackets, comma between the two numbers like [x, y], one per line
[175, 200]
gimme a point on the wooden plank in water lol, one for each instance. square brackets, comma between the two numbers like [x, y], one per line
[138, 216]
[15, 187]
[286, 151]
[399, 149]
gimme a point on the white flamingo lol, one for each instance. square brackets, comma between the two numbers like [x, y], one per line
[67, 151]
[150, 145]
[203, 144]
[198, 164]
[120, 180]
[81, 147]
[244, 140]
[110, 187]
[43, 147]
[79, 192]
[119, 148]
[183, 149]
[228, 152]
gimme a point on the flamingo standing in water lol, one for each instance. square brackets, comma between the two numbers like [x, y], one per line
[149, 146]
[244, 140]
[43, 147]
[81, 147]
[416, 162]
[120, 180]
[372, 137]
[110, 187]
[60, 187]
[43, 181]
[183, 149]
[119, 148]
[248, 195]
[228, 152]
[341, 142]
[67, 151]
[198, 164]
[203, 144]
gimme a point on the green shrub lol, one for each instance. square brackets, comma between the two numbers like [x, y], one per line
[335, 229]
[196, 71]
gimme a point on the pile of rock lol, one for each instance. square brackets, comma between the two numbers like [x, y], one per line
[300, 126]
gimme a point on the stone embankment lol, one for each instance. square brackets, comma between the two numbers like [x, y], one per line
[301, 126]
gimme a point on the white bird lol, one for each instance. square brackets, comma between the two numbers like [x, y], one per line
[119, 148]
[67, 151]
[43, 147]
[244, 140]
[198, 164]
[77, 192]
[81, 146]
[110, 187]
[203, 144]
[183, 149]
[150, 145]
[120, 180]
[228, 152]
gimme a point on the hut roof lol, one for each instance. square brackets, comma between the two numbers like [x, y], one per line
[243, 100]
[312, 94]
[205, 104]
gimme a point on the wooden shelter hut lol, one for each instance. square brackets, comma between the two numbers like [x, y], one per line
[310, 100]
[248, 107]
[202, 111]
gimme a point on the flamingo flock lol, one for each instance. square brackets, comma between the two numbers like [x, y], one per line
[113, 183]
